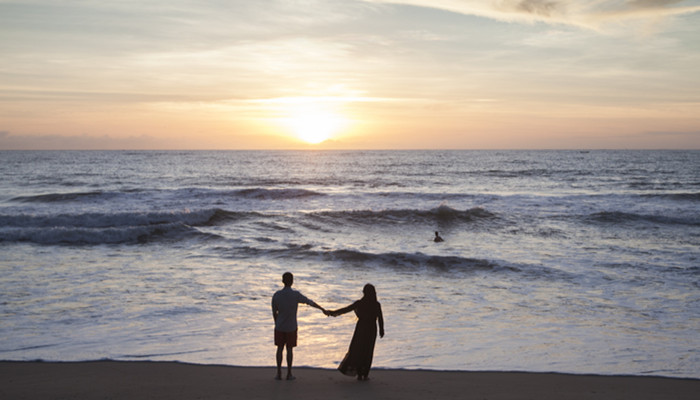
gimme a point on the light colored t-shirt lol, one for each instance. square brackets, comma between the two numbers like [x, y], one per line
[286, 301]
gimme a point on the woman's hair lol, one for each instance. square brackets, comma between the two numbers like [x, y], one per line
[370, 293]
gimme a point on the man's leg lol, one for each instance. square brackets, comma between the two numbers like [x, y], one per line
[279, 361]
[290, 358]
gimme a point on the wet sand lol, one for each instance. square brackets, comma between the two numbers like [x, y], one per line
[170, 380]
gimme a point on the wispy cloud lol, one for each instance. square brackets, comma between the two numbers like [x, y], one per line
[331, 99]
[121, 70]
[591, 14]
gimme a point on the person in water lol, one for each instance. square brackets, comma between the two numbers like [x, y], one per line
[437, 238]
[284, 311]
[358, 360]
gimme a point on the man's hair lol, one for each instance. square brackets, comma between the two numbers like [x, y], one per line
[288, 278]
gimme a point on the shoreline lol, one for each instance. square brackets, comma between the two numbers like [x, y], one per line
[166, 380]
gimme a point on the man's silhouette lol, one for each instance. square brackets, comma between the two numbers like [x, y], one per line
[284, 311]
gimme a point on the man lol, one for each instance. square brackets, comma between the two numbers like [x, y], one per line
[284, 311]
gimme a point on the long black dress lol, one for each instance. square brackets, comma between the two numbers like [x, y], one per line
[358, 359]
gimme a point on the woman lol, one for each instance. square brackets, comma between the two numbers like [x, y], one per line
[358, 360]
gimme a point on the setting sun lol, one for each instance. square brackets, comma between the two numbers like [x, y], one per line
[312, 120]
[314, 127]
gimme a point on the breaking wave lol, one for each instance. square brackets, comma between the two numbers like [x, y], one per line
[348, 258]
[96, 228]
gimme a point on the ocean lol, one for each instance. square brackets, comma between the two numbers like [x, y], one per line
[564, 261]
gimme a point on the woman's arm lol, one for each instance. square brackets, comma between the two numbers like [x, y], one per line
[344, 310]
[380, 319]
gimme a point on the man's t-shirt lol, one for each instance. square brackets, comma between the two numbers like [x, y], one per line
[286, 301]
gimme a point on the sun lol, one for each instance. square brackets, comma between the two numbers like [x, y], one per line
[312, 120]
[314, 126]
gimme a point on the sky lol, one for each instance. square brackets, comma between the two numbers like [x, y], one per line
[350, 74]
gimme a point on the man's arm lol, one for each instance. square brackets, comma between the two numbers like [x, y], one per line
[275, 311]
[314, 305]
[306, 300]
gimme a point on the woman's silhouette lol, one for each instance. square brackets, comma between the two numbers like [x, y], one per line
[358, 360]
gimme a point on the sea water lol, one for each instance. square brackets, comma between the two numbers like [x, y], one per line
[567, 261]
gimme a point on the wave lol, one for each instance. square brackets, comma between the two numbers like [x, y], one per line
[443, 214]
[690, 196]
[413, 260]
[250, 193]
[140, 227]
[619, 217]
[391, 259]
[118, 228]
[401, 261]
[447, 264]
[276, 194]
[518, 173]
[60, 197]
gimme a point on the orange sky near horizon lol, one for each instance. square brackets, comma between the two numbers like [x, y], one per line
[407, 74]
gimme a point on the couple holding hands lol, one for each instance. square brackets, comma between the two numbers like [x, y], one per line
[358, 360]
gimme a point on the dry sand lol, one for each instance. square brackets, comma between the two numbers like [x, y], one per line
[169, 380]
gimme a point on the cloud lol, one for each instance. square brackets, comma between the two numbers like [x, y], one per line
[652, 3]
[590, 14]
[544, 8]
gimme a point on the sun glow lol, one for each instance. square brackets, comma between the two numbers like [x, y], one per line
[312, 120]
[314, 125]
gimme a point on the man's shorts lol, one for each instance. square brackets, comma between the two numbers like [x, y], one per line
[286, 338]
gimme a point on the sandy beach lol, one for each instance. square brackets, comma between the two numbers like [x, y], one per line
[169, 380]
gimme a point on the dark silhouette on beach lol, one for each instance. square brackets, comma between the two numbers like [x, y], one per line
[358, 360]
[284, 311]
[437, 238]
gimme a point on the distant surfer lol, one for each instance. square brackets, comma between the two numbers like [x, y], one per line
[437, 238]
